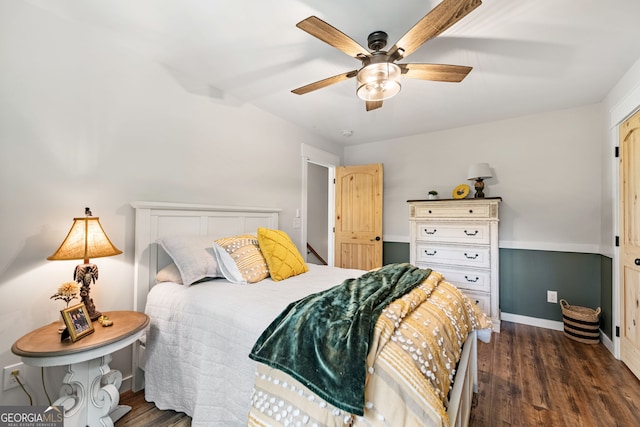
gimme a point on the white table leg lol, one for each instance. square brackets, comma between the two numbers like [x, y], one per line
[114, 378]
[90, 394]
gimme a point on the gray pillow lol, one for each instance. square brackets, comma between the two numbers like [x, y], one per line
[193, 256]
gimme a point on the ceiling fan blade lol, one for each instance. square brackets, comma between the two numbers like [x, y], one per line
[332, 36]
[372, 105]
[433, 23]
[435, 72]
[325, 82]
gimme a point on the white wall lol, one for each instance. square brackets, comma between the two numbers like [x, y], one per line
[547, 169]
[84, 121]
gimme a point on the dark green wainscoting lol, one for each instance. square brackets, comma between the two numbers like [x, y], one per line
[526, 276]
[393, 252]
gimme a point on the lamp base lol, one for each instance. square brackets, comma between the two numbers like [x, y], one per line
[88, 302]
[85, 274]
[479, 186]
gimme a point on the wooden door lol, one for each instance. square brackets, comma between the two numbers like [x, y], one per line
[630, 243]
[358, 221]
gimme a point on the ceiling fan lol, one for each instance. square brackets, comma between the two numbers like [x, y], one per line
[379, 77]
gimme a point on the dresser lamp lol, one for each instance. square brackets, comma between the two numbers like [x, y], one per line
[86, 240]
[479, 172]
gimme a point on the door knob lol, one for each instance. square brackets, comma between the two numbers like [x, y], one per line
[637, 261]
[377, 239]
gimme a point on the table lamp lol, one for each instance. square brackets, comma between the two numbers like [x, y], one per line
[479, 172]
[86, 240]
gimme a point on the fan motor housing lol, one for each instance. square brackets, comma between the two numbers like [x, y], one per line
[377, 40]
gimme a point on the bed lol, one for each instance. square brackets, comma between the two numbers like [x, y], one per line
[195, 359]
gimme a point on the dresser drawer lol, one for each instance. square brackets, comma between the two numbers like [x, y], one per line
[467, 278]
[453, 255]
[483, 301]
[452, 232]
[459, 209]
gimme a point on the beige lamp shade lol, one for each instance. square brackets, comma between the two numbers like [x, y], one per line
[85, 240]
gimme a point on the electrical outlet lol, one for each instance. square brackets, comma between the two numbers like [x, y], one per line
[8, 380]
[552, 296]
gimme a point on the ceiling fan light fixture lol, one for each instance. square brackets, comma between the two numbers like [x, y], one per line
[378, 81]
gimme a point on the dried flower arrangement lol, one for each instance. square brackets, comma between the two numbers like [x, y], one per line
[66, 292]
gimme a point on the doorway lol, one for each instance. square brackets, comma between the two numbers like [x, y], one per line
[317, 214]
[318, 204]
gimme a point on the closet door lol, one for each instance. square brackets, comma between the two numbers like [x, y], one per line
[630, 243]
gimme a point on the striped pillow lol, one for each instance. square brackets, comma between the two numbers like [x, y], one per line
[240, 260]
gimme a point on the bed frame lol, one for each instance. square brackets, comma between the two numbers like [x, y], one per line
[154, 220]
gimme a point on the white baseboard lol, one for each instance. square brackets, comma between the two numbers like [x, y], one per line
[550, 324]
[532, 321]
[126, 384]
[606, 341]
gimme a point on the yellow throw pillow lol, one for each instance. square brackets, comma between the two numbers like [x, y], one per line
[281, 254]
[240, 259]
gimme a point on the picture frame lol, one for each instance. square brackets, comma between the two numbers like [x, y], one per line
[78, 321]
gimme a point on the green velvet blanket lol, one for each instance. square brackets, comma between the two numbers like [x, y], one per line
[323, 339]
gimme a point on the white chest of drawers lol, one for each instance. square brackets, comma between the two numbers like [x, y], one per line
[459, 238]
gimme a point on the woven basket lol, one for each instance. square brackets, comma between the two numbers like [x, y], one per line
[581, 323]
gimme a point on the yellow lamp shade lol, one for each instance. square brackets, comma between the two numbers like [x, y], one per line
[85, 240]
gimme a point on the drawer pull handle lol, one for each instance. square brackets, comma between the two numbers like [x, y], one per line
[471, 211]
[429, 211]
[471, 256]
[474, 233]
[426, 231]
[477, 301]
[472, 280]
[430, 253]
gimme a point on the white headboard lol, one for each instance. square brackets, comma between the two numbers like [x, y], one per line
[156, 219]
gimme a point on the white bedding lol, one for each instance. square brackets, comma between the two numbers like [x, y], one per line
[200, 336]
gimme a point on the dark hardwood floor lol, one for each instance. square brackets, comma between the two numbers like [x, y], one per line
[527, 376]
[532, 376]
[145, 414]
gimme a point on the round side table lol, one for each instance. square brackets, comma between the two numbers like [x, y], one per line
[89, 393]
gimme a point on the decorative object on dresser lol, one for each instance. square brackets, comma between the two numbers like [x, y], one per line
[460, 192]
[479, 172]
[433, 195]
[86, 240]
[459, 238]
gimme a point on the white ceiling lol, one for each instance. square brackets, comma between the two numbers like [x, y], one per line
[527, 56]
